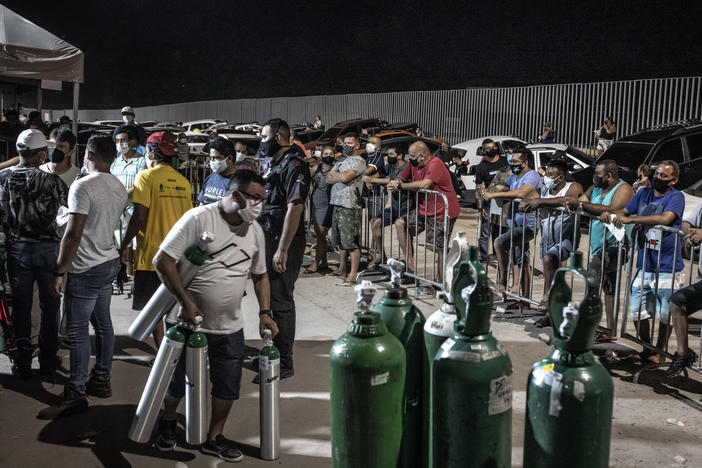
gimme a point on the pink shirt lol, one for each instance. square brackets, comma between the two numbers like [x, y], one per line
[436, 171]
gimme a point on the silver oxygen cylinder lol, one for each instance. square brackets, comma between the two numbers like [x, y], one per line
[269, 370]
[163, 300]
[155, 390]
[196, 417]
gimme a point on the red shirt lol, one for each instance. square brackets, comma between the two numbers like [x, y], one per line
[435, 171]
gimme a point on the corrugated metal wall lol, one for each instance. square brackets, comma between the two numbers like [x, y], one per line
[575, 110]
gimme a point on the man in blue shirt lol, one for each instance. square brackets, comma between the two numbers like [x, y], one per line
[660, 204]
[524, 183]
[222, 165]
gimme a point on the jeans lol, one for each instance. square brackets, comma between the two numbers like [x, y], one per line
[88, 296]
[27, 263]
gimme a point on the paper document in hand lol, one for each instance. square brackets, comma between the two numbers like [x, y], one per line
[618, 233]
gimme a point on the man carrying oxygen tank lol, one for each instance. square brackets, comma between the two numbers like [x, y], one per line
[215, 294]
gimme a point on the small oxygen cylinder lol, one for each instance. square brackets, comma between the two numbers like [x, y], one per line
[163, 300]
[269, 402]
[196, 418]
[155, 390]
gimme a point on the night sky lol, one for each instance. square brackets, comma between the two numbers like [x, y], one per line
[146, 52]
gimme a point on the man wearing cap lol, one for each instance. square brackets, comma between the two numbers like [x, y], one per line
[128, 116]
[160, 197]
[29, 202]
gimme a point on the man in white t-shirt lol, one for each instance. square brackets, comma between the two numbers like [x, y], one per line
[215, 294]
[89, 254]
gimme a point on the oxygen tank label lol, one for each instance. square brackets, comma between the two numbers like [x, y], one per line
[500, 399]
[380, 379]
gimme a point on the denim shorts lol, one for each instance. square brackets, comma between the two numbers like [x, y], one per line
[225, 354]
[647, 295]
[515, 234]
[564, 248]
[689, 299]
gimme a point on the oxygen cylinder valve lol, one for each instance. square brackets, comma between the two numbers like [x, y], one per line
[570, 318]
[190, 326]
[364, 292]
[396, 269]
[267, 337]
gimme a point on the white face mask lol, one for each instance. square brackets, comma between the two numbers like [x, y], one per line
[251, 212]
[318, 154]
[549, 182]
[240, 156]
[218, 165]
[127, 118]
[370, 148]
[122, 148]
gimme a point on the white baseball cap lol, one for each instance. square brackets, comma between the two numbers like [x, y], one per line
[128, 110]
[32, 139]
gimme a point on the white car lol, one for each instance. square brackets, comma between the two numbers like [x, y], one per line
[196, 142]
[471, 151]
[201, 125]
[575, 159]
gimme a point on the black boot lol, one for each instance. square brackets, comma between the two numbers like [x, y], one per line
[69, 402]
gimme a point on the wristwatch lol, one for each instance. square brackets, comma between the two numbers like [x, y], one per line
[57, 273]
[267, 312]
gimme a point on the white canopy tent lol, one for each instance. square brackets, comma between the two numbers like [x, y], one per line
[30, 52]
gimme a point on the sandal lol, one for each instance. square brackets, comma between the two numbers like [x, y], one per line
[348, 283]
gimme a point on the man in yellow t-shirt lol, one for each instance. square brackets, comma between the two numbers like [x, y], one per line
[161, 196]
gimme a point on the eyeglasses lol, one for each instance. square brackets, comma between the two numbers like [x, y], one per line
[256, 200]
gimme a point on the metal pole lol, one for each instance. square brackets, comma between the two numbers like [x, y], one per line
[76, 94]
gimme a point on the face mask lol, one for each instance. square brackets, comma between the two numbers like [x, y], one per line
[240, 156]
[348, 150]
[65, 126]
[599, 181]
[127, 118]
[549, 182]
[492, 152]
[509, 157]
[251, 211]
[317, 154]
[122, 148]
[56, 155]
[515, 168]
[328, 160]
[218, 165]
[660, 185]
[370, 148]
[392, 160]
[268, 149]
[183, 141]
[414, 162]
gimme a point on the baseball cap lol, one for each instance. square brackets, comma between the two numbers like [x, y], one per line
[32, 139]
[164, 141]
[127, 110]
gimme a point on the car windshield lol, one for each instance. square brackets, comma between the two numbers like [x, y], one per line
[695, 189]
[628, 156]
[329, 135]
[580, 155]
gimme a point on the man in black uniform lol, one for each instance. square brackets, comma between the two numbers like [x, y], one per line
[287, 188]
[484, 173]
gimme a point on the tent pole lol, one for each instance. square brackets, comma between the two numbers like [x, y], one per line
[76, 92]
[40, 97]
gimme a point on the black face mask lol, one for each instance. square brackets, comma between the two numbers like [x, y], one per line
[338, 148]
[268, 149]
[599, 181]
[660, 185]
[56, 155]
[414, 162]
[348, 150]
[328, 160]
[516, 169]
[491, 153]
[392, 160]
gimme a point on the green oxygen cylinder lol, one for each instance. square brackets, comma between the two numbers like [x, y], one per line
[367, 385]
[570, 394]
[438, 327]
[406, 323]
[472, 405]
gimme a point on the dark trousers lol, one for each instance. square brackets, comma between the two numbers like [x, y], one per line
[282, 300]
[29, 263]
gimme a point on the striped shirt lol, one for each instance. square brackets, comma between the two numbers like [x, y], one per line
[126, 172]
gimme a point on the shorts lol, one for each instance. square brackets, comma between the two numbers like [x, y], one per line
[322, 215]
[648, 299]
[603, 144]
[609, 280]
[565, 248]
[225, 354]
[346, 227]
[395, 211]
[516, 234]
[435, 229]
[689, 299]
[146, 283]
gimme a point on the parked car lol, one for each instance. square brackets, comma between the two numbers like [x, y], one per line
[340, 128]
[250, 137]
[201, 125]
[406, 126]
[580, 164]
[196, 142]
[471, 151]
[108, 123]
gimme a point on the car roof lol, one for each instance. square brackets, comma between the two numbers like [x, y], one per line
[479, 141]
[653, 134]
[191, 122]
[355, 121]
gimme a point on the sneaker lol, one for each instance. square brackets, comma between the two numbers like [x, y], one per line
[284, 374]
[98, 388]
[680, 362]
[223, 448]
[69, 402]
[166, 439]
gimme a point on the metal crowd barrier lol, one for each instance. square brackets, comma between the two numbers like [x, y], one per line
[624, 267]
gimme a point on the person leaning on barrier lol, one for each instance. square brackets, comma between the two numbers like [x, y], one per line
[399, 202]
[375, 162]
[426, 171]
[607, 193]
[485, 172]
[558, 236]
[346, 185]
[524, 183]
[657, 205]
[685, 302]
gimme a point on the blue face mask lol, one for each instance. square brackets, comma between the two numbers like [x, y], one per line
[509, 157]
